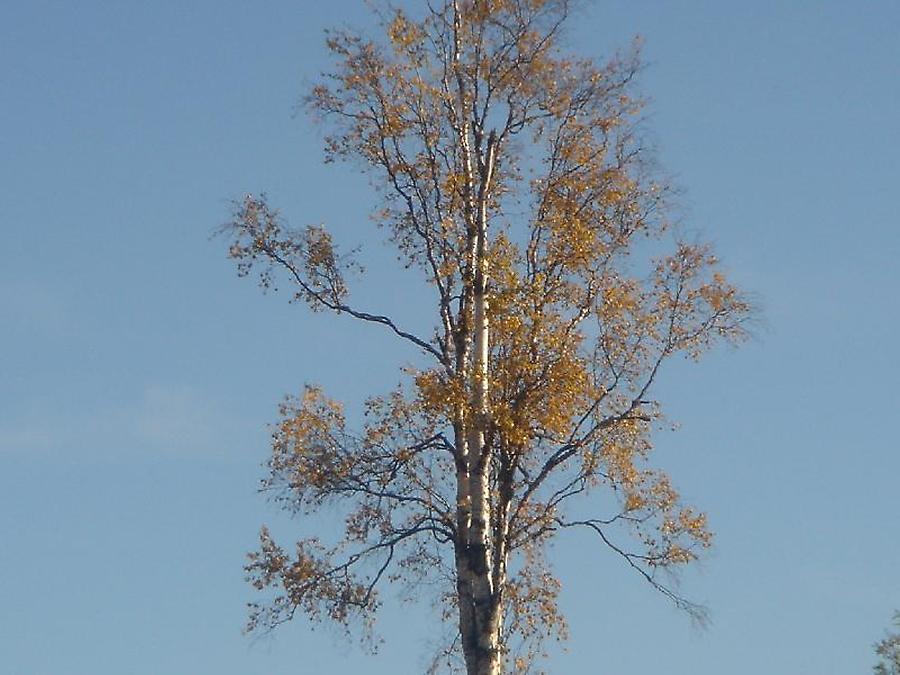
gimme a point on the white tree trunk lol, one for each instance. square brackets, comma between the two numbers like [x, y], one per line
[479, 607]
[485, 651]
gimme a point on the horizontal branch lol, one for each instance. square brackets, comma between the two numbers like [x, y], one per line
[341, 307]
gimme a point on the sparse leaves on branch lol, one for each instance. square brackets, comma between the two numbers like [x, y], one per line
[260, 238]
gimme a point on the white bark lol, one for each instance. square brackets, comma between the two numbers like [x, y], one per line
[479, 607]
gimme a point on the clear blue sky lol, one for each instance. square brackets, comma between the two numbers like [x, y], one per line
[137, 374]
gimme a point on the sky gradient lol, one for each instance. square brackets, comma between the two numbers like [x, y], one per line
[138, 374]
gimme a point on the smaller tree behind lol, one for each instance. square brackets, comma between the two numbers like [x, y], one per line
[889, 651]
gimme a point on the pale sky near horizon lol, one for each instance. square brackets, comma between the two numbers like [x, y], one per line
[138, 374]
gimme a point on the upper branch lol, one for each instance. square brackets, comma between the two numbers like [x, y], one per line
[309, 257]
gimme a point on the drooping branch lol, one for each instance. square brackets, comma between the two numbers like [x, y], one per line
[646, 566]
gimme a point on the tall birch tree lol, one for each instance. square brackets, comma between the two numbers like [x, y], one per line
[514, 179]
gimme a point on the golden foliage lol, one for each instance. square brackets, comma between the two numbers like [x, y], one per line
[514, 178]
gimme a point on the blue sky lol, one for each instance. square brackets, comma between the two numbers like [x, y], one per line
[137, 374]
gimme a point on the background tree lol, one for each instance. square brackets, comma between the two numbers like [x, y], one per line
[889, 652]
[514, 178]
